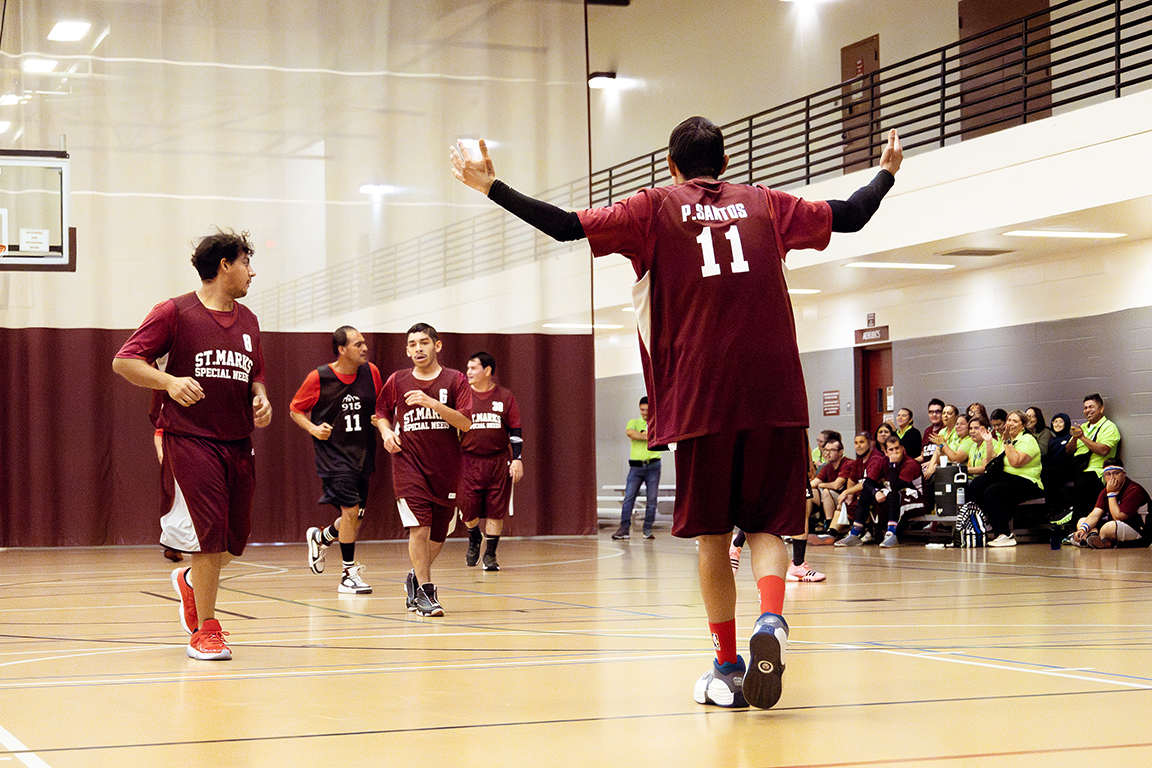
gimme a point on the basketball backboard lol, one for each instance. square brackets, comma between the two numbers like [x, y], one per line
[35, 200]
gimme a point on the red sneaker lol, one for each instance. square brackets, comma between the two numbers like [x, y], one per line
[207, 643]
[180, 583]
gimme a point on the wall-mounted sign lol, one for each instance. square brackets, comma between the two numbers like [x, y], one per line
[831, 403]
[872, 335]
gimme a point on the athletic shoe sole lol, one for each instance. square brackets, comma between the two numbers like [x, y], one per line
[763, 679]
[178, 577]
[315, 551]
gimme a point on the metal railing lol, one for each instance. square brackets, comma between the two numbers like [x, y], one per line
[1074, 54]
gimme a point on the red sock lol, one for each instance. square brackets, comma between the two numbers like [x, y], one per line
[724, 638]
[771, 595]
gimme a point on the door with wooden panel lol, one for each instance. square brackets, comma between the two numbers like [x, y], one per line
[1004, 71]
[859, 63]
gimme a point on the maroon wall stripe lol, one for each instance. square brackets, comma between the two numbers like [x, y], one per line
[78, 468]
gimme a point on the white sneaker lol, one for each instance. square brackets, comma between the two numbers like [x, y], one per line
[889, 540]
[867, 537]
[351, 582]
[1003, 540]
[315, 550]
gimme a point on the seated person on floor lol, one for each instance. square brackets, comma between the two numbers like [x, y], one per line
[1091, 443]
[1119, 517]
[1000, 492]
[901, 485]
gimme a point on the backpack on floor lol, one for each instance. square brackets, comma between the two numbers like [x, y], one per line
[971, 527]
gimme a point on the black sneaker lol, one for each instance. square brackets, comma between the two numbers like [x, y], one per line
[473, 555]
[620, 534]
[410, 591]
[490, 563]
[426, 602]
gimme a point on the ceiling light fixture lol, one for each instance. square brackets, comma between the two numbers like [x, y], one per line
[601, 80]
[896, 265]
[69, 31]
[1064, 233]
[40, 65]
[9, 99]
[585, 326]
[803, 291]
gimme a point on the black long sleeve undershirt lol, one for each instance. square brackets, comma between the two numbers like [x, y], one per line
[557, 223]
[852, 214]
[847, 215]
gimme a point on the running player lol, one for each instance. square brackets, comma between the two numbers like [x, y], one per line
[336, 404]
[721, 364]
[491, 461]
[418, 413]
[213, 397]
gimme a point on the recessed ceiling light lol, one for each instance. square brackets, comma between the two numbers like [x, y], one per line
[5, 125]
[377, 190]
[896, 265]
[628, 309]
[585, 326]
[40, 65]
[69, 31]
[1064, 233]
[8, 99]
[803, 291]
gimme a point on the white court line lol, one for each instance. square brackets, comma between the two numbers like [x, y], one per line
[945, 656]
[183, 677]
[22, 754]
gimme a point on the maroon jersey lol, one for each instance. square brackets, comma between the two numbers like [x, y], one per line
[428, 464]
[829, 473]
[494, 413]
[712, 304]
[221, 350]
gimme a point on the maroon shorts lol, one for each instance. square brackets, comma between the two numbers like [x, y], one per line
[416, 512]
[753, 480]
[206, 494]
[485, 487]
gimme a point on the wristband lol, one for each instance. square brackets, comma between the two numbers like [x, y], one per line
[1113, 495]
[1085, 527]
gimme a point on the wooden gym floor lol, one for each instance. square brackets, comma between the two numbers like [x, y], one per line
[580, 652]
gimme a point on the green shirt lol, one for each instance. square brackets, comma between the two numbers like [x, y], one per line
[1103, 431]
[640, 450]
[1026, 443]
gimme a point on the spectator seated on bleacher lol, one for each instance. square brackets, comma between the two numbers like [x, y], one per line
[955, 442]
[892, 497]
[1039, 428]
[1119, 517]
[1000, 491]
[935, 419]
[869, 465]
[908, 433]
[832, 478]
[982, 450]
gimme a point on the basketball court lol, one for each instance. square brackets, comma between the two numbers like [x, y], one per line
[579, 652]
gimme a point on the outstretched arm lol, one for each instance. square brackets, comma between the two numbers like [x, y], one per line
[481, 176]
[852, 214]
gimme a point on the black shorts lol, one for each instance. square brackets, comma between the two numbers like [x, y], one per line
[345, 491]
